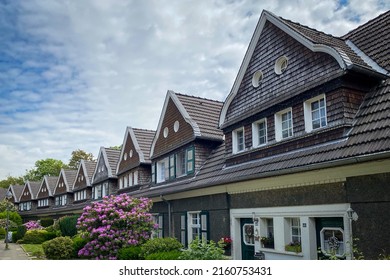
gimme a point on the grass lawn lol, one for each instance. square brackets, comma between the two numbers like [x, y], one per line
[34, 250]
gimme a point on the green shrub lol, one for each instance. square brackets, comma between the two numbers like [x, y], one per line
[38, 236]
[35, 236]
[78, 244]
[130, 253]
[203, 250]
[2, 233]
[158, 245]
[19, 233]
[46, 222]
[67, 225]
[171, 255]
[59, 248]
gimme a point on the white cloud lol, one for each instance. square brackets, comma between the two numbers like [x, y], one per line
[81, 71]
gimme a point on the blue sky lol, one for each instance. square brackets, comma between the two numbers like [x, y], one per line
[75, 74]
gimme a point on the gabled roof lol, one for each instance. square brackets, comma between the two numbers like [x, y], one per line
[368, 139]
[51, 182]
[69, 176]
[16, 191]
[3, 192]
[87, 167]
[372, 39]
[201, 113]
[142, 141]
[347, 55]
[110, 158]
[33, 188]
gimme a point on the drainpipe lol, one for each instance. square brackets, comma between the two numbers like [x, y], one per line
[169, 215]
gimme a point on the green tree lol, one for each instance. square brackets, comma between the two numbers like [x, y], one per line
[49, 166]
[78, 155]
[11, 181]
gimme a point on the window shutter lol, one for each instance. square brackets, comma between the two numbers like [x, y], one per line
[172, 167]
[183, 229]
[153, 172]
[190, 160]
[204, 225]
[160, 226]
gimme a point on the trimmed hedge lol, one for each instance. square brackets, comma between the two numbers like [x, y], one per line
[171, 255]
[59, 248]
[37, 236]
[158, 245]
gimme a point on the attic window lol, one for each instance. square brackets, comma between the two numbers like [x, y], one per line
[281, 65]
[131, 153]
[166, 131]
[257, 78]
[176, 126]
[125, 156]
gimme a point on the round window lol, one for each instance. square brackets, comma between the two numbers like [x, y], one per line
[257, 78]
[281, 65]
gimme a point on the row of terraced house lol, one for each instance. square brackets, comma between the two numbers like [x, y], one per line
[297, 156]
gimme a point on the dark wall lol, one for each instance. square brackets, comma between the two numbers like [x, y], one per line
[306, 195]
[370, 198]
[215, 205]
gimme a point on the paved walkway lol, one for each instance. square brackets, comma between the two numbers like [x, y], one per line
[14, 252]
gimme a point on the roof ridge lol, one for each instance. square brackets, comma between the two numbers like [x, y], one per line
[197, 97]
[364, 25]
[310, 28]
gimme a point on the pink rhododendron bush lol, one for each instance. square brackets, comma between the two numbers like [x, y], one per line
[113, 223]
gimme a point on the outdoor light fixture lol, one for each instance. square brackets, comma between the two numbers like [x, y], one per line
[352, 216]
[8, 195]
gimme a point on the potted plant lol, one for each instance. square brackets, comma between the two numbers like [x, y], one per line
[267, 242]
[294, 247]
[227, 245]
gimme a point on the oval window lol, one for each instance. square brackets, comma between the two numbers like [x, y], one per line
[257, 78]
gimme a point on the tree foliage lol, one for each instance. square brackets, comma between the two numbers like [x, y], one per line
[49, 166]
[11, 181]
[78, 155]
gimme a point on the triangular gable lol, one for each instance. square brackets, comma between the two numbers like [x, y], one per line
[338, 54]
[16, 191]
[135, 148]
[65, 181]
[106, 164]
[177, 124]
[47, 186]
[84, 174]
[27, 193]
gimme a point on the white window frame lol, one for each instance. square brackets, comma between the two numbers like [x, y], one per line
[135, 177]
[121, 183]
[130, 179]
[279, 124]
[162, 170]
[308, 113]
[255, 133]
[295, 237]
[235, 140]
[194, 229]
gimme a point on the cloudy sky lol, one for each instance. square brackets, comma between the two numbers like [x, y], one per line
[75, 73]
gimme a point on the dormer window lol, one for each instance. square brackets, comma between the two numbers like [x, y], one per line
[259, 133]
[238, 140]
[283, 124]
[315, 113]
